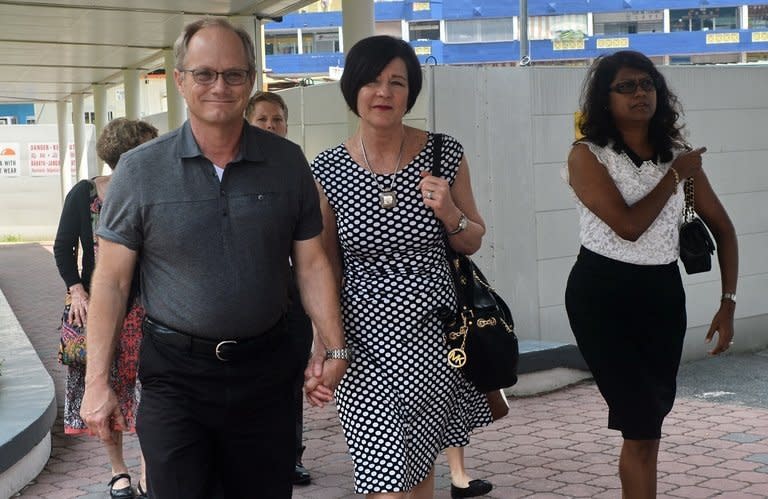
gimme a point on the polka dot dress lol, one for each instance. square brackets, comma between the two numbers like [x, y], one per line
[400, 403]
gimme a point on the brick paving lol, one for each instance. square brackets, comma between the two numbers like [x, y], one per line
[550, 446]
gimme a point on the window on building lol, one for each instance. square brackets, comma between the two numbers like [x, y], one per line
[480, 30]
[757, 57]
[320, 42]
[573, 26]
[424, 30]
[391, 28]
[627, 23]
[758, 16]
[280, 43]
[719, 18]
[731, 58]
[31, 120]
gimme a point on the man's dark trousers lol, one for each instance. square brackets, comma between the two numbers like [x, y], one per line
[207, 425]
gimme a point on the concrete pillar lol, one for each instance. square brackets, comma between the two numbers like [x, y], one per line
[132, 96]
[358, 24]
[261, 59]
[78, 128]
[99, 122]
[99, 108]
[590, 24]
[666, 21]
[65, 173]
[744, 17]
[254, 28]
[177, 108]
[299, 41]
[358, 21]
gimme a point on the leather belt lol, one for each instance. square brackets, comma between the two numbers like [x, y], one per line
[223, 350]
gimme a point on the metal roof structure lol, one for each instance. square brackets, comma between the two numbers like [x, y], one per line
[50, 50]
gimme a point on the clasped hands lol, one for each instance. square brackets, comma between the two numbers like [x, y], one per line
[321, 377]
[78, 305]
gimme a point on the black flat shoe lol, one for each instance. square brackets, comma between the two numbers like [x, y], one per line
[125, 492]
[301, 475]
[142, 494]
[476, 488]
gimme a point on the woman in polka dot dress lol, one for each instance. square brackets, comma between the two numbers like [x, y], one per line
[400, 403]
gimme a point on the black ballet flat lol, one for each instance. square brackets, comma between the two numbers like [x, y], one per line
[125, 492]
[476, 488]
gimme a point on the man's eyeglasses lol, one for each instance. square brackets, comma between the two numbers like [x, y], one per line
[232, 77]
[630, 86]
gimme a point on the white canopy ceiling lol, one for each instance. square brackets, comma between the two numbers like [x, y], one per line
[52, 49]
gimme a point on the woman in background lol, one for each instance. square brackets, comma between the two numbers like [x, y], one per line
[77, 226]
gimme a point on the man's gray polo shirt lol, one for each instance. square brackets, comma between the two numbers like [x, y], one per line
[213, 255]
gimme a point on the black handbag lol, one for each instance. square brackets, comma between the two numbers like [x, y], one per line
[481, 332]
[696, 245]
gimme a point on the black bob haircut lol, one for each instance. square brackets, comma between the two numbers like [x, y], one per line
[368, 57]
[597, 126]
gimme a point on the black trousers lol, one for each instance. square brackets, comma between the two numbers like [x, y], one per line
[210, 428]
[299, 328]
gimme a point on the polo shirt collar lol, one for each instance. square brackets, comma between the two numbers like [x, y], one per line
[249, 148]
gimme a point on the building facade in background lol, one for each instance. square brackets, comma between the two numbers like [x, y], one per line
[560, 32]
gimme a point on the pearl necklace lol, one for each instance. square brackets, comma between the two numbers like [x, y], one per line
[387, 198]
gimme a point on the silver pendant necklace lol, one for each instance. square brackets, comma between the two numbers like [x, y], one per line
[388, 197]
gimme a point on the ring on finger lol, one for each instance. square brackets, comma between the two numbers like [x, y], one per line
[429, 194]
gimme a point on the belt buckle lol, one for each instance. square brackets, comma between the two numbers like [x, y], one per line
[218, 346]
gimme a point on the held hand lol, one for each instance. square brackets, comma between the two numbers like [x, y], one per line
[689, 163]
[436, 192]
[313, 379]
[722, 323]
[319, 389]
[78, 308]
[101, 413]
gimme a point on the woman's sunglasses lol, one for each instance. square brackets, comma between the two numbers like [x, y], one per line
[630, 86]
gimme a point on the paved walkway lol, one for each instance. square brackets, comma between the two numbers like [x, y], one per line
[550, 446]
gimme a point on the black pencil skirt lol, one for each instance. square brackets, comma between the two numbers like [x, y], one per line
[629, 322]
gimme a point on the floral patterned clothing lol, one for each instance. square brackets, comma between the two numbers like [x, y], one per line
[123, 374]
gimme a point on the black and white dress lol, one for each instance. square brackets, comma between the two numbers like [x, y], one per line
[400, 403]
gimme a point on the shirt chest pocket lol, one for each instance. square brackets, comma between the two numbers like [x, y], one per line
[261, 212]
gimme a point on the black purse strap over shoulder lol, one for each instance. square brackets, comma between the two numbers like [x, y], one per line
[464, 292]
[437, 151]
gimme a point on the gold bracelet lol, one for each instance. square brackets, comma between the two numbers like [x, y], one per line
[677, 177]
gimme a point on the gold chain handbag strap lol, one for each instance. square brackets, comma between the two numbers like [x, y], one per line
[688, 210]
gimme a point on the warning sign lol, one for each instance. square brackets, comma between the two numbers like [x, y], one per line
[9, 159]
[44, 158]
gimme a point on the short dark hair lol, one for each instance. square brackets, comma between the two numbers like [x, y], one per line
[368, 57]
[597, 123]
[182, 42]
[265, 97]
[121, 135]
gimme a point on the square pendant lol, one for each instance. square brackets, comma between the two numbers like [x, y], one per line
[387, 199]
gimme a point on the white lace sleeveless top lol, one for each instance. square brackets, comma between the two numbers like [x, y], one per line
[660, 243]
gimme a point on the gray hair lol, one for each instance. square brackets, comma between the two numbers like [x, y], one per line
[182, 42]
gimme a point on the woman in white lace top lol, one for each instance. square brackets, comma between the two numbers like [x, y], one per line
[624, 298]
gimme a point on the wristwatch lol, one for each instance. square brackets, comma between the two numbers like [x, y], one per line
[339, 353]
[729, 296]
[463, 222]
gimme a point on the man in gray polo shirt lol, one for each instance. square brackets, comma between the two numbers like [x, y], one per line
[211, 212]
